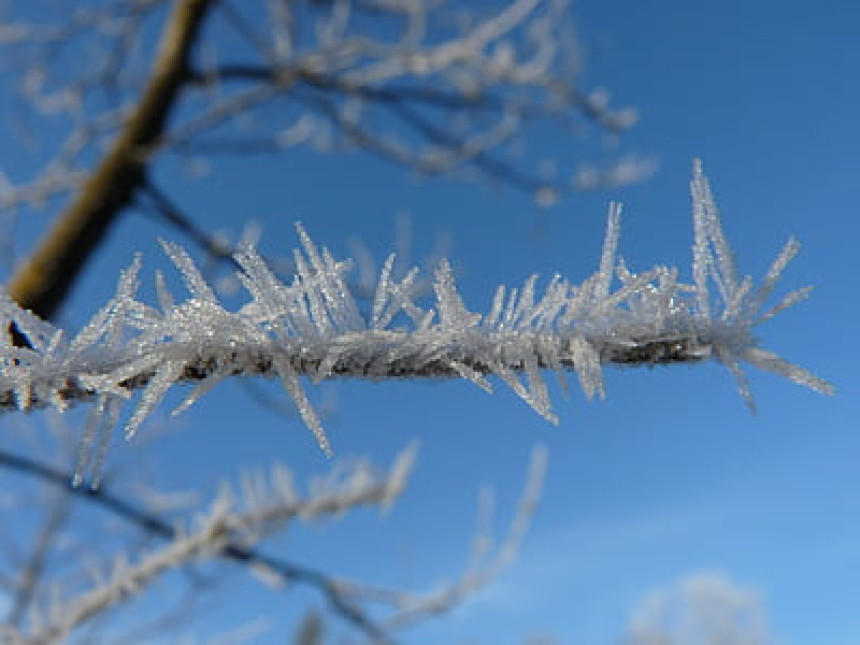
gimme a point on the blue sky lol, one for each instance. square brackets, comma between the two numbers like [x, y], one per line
[671, 474]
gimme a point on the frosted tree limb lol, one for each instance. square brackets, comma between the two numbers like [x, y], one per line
[265, 565]
[230, 531]
[313, 329]
[412, 609]
[434, 87]
[259, 506]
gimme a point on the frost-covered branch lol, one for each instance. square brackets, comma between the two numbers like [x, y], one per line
[412, 609]
[430, 86]
[313, 328]
[228, 530]
[245, 514]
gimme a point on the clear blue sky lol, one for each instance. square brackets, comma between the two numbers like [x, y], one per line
[671, 474]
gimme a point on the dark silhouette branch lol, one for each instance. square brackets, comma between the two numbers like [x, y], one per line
[167, 209]
[32, 572]
[574, 99]
[480, 159]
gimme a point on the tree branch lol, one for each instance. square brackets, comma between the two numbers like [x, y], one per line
[31, 573]
[314, 328]
[377, 612]
[333, 502]
[182, 222]
[43, 282]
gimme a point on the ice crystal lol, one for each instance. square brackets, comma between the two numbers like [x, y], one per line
[313, 329]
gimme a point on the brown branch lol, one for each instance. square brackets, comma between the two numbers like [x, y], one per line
[44, 281]
[257, 361]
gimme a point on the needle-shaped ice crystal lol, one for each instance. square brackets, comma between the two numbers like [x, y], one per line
[312, 329]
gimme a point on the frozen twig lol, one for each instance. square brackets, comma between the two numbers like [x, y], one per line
[244, 514]
[411, 609]
[313, 329]
[228, 531]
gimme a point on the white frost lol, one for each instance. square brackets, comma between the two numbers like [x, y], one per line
[313, 328]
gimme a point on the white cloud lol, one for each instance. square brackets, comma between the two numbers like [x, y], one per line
[700, 609]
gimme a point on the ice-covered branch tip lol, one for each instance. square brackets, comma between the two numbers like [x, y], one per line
[314, 328]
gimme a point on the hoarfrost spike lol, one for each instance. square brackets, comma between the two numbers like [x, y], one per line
[312, 328]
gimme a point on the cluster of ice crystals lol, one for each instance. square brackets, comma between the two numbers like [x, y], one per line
[313, 328]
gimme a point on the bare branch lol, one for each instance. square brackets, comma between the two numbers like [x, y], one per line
[42, 283]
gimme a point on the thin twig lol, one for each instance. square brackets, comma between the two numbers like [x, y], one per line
[243, 554]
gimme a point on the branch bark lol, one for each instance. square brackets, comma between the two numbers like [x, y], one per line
[43, 282]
